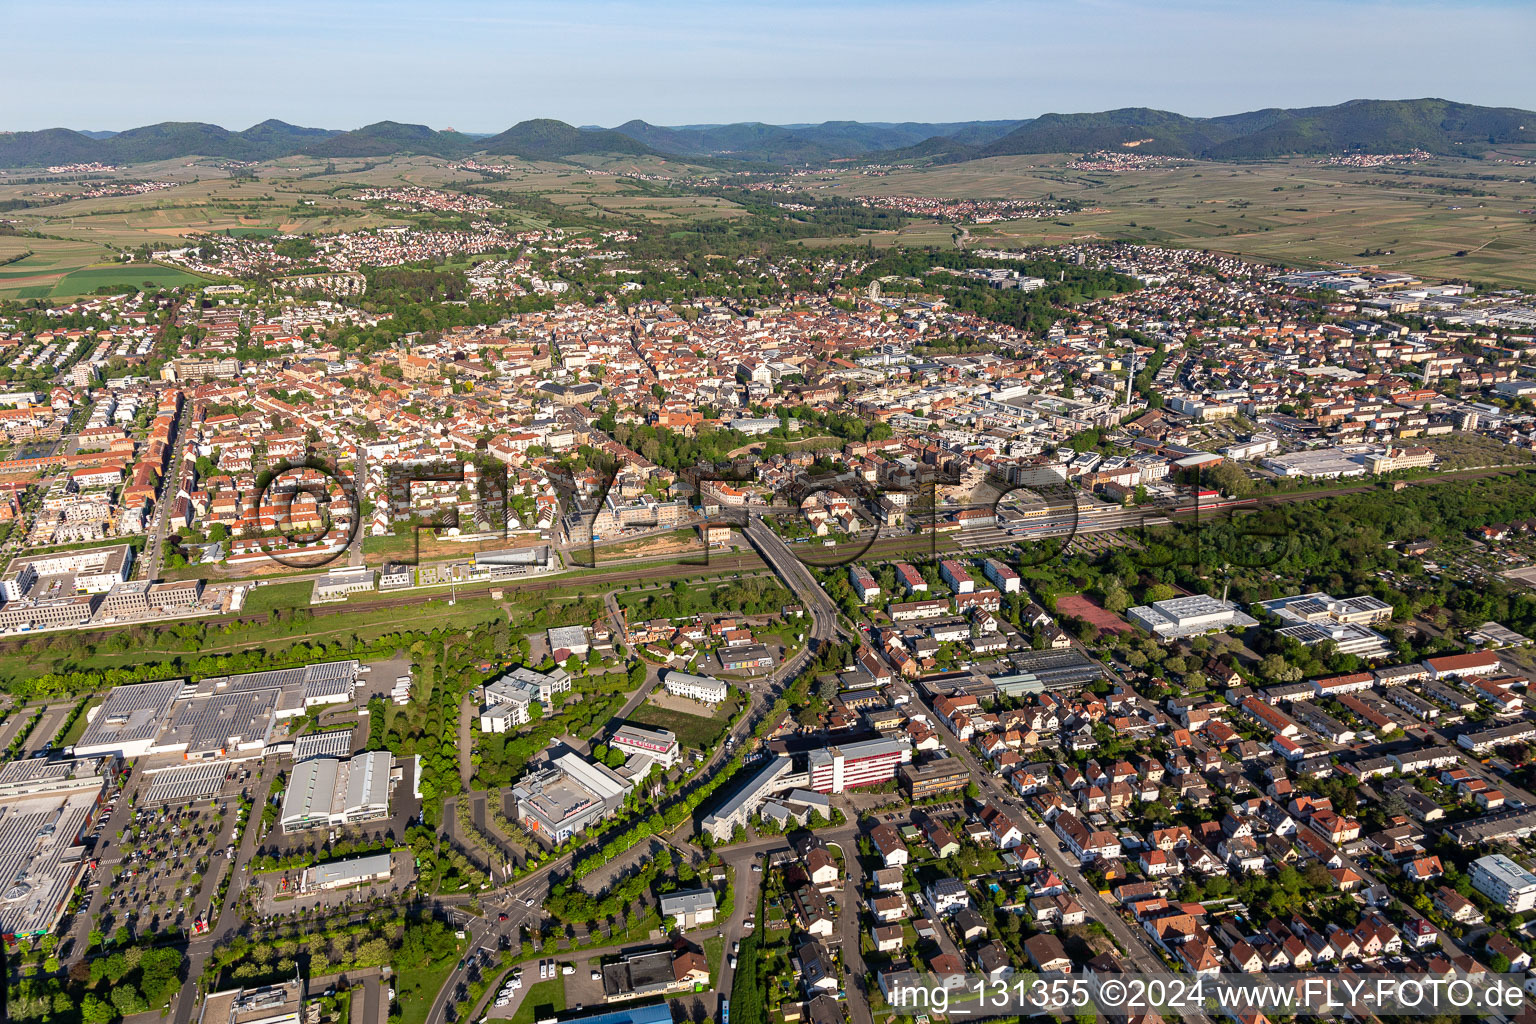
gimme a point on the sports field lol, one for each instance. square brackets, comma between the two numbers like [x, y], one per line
[1093, 613]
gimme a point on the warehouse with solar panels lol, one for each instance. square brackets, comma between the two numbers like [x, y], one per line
[222, 716]
[46, 810]
[186, 784]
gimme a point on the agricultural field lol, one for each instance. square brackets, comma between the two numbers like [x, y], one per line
[296, 196]
[609, 196]
[39, 265]
[1445, 218]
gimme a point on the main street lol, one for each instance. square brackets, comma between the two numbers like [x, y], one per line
[223, 925]
[154, 546]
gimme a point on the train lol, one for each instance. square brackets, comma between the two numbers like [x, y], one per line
[1206, 506]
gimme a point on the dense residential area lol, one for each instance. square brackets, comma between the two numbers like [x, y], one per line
[502, 612]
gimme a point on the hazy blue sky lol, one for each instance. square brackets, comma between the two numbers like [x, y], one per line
[480, 66]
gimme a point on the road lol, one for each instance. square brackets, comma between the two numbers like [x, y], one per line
[374, 1004]
[740, 858]
[855, 972]
[154, 546]
[824, 621]
[223, 925]
[359, 482]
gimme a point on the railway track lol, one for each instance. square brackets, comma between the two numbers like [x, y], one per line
[719, 564]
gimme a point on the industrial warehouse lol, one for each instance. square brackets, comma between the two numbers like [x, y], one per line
[46, 810]
[222, 716]
[331, 791]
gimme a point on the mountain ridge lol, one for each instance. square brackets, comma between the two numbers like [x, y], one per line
[1442, 127]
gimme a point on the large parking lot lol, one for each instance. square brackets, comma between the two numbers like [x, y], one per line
[163, 854]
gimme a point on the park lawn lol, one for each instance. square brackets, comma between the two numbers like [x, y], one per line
[543, 999]
[416, 987]
[700, 732]
[365, 625]
[280, 595]
[75, 730]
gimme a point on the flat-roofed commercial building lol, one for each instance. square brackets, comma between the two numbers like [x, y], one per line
[1039, 671]
[29, 615]
[339, 874]
[217, 717]
[144, 599]
[328, 791]
[186, 784]
[660, 745]
[338, 583]
[1188, 616]
[508, 697]
[271, 1004]
[46, 811]
[1505, 882]
[1316, 464]
[572, 639]
[1346, 637]
[129, 721]
[935, 777]
[747, 656]
[566, 796]
[639, 974]
[774, 777]
[660, 1013]
[850, 765]
[219, 724]
[88, 571]
[331, 743]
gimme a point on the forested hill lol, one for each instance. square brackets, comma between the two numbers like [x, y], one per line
[1373, 126]
[1370, 126]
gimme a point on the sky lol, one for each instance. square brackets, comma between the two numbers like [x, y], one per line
[482, 66]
